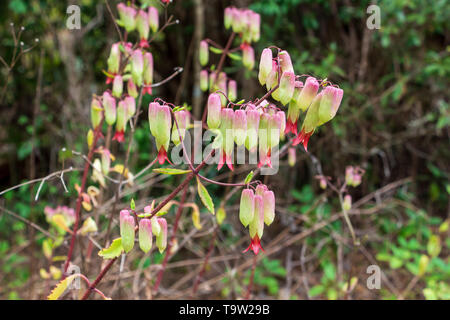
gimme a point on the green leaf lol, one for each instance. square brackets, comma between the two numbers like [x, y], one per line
[249, 178]
[61, 287]
[170, 171]
[215, 50]
[235, 56]
[132, 204]
[205, 197]
[114, 250]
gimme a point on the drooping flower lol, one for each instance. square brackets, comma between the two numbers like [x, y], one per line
[248, 56]
[145, 235]
[212, 82]
[137, 66]
[282, 117]
[265, 66]
[292, 157]
[203, 53]
[310, 123]
[117, 88]
[130, 104]
[347, 204]
[127, 16]
[256, 226]
[153, 18]
[182, 119]
[127, 232]
[247, 207]
[226, 131]
[240, 127]
[161, 238]
[121, 122]
[272, 78]
[273, 130]
[142, 25]
[160, 120]
[285, 62]
[253, 117]
[255, 25]
[331, 100]
[308, 93]
[106, 161]
[114, 59]
[287, 86]
[96, 112]
[269, 207]
[214, 108]
[109, 105]
[156, 228]
[132, 89]
[204, 80]
[232, 90]
[227, 18]
[294, 110]
[148, 73]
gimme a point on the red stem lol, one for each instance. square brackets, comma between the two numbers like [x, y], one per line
[252, 276]
[78, 206]
[98, 279]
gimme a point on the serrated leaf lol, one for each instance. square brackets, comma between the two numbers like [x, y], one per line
[249, 178]
[235, 56]
[215, 50]
[61, 287]
[114, 250]
[205, 197]
[170, 171]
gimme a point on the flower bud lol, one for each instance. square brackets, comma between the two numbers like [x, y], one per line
[323, 183]
[285, 62]
[232, 90]
[117, 88]
[145, 235]
[226, 129]
[308, 93]
[269, 207]
[292, 157]
[114, 59]
[161, 238]
[109, 105]
[127, 17]
[137, 67]
[96, 112]
[203, 53]
[121, 123]
[240, 127]
[127, 230]
[247, 207]
[347, 204]
[214, 108]
[160, 120]
[265, 66]
[132, 89]
[142, 25]
[330, 103]
[106, 161]
[182, 119]
[228, 16]
[148, 73]
[256, 226]
[236, 23]
[260, 189]
[130, 104]
[255, 25]
[252, 128]
[153, 19]
[204, 80]
[248, 56]
[282, 128]
[212, 82]
[287, 86]
[349, 175]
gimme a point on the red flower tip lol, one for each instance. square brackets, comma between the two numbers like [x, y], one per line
[119, 136]
[225, 159]
[255, 245]
[144, 43]
[303, 138]
[109, 80]
[147, 89]
[291, 127]
[162, 156]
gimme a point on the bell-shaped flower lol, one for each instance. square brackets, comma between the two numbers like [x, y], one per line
[214, 109]
[153, 18]
[156, 228]
[182, 120]
[330, 103]
[130, 104]
[228, 17]
[212, 82]
[121, 122]
[285, 62]
[247, 207]
[161, 238]
[96, 112]
[282, 116]
[255, 26]
[240, 127]
[287, 86]
[204, 80]
[114, 59]
[143, 28]
[137, 67]
[265, 65]
[310, 123]
[248, 56]
[145, 235]
[127, 17]
[106, 161]
[203, 53]
[109, 105]
[294, 110]
[253, 116]
[260, 189]
[308, 93]
[274, 126]
[127, 232]
[160, 120]
[132, 89]
[148, 73]
[232, 90]
[117, 88]
[256, 226]
[272, 78]
[347, 204]
[226, 131]
[269, 207]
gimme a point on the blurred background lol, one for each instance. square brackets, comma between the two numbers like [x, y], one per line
[393, 122]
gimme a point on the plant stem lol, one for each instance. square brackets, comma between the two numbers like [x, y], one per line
[252, 276]
[98, 279]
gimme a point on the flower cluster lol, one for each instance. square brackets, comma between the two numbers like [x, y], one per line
[162, 128]
[353, 176]
[254, 127]
[277, 73]
[146, 229]
[256, 209]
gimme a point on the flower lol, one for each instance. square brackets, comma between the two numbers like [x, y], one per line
[269, 207]
[148, 73]
[182, 119]
[264, 144]
[204, 80]
[96, 112]
[247, 207]
[145, 235]
[114, 59]
[132, 89]
[153, 18]
[137, 67]
[117, 88]
[256, 226]
[232, 90]
[265, 66]
[109, 105]
[127, 232]
[142, 25]
[330, 103]
[160, 120]
[287, 86]
[161, 238]
[310, 123]
[214, 108]
[285, 62]
[240, 127]
[347, 204]
[248, 56]
[226, 131]
[127, 17]
[253, 117]
[121, 123]
[203, 53]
